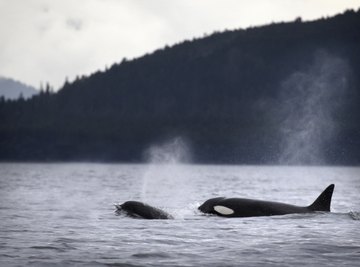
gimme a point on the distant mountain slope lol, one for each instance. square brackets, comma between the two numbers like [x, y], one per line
[12, 89]
[285, 93]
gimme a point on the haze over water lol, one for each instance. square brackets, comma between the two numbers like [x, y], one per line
[63, 214]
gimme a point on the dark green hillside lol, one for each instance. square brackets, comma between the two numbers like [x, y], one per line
[282, 93]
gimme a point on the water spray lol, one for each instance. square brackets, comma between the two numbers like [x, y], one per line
[166, 180]
[309, 100]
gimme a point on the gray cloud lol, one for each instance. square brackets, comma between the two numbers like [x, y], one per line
[46, 40]
[75, 24]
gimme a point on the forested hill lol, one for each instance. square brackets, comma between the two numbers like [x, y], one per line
[285, 93]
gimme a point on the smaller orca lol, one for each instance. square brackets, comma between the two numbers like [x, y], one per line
[241, 207]
[138, 209]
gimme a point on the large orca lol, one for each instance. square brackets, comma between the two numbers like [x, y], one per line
[241, 207]
[141, 210]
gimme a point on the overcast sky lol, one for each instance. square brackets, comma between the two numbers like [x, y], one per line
[48, 40]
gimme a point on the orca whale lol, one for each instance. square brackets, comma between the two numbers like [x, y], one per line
[138, 209]
[241, 207]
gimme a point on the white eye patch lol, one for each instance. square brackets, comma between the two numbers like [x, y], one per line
[223, 210]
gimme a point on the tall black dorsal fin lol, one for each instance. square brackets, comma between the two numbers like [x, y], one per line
[323, 202]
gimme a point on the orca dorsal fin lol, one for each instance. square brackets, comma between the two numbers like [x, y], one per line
[322, 203]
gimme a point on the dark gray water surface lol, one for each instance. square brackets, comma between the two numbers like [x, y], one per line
[63, 214]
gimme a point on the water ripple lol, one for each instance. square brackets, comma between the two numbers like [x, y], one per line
[60, 215]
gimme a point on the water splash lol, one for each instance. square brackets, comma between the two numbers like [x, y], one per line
[354, 215]
[310, 100]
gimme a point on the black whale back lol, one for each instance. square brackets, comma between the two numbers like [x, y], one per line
[241, 207]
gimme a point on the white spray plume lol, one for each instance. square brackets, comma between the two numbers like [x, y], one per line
[309, 102]
[166, 180]
[174, 151]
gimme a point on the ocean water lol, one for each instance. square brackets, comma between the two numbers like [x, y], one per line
[63, 215]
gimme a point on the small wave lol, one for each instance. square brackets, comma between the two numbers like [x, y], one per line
[354, 215]
[8, 256]
[119, 264]
[49, 248]
[65, 240]
[150, 255]
[297, 216]
[16, 231]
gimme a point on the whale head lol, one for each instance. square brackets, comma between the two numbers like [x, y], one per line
[138, 209]
[208, 205]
